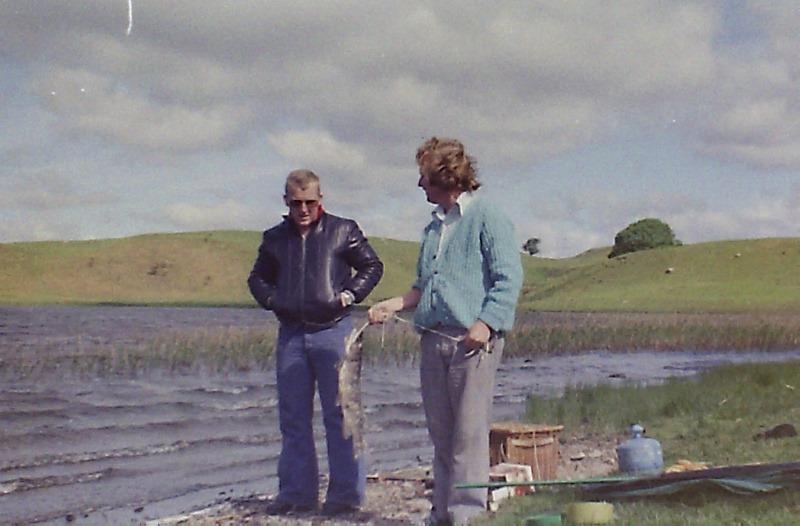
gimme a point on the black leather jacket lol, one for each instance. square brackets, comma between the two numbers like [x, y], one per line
[300, 279]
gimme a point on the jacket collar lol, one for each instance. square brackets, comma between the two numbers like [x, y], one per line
[315, 226]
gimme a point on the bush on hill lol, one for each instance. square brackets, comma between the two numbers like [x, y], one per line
[642, 235]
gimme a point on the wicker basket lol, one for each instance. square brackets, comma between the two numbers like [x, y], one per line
[533, 444]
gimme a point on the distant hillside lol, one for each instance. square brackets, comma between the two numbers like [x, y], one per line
[210, 268]
[197, 268]
[721, 276]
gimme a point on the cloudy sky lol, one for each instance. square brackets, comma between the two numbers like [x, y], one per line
[584, 116]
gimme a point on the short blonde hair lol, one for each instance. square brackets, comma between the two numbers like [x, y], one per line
[451, 167]
[301, 179]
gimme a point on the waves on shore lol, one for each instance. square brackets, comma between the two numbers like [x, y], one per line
[116, 449]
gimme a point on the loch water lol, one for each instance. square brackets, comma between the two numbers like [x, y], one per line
[122, 450]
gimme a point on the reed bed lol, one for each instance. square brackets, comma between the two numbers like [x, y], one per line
[222, 349]
[535, 334]
[568, 333]
[542, 334]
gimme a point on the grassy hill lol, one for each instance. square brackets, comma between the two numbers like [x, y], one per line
[210, 268]
[721, 276]
[196, 268]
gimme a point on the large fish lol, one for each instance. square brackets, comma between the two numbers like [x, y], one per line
[350, 389]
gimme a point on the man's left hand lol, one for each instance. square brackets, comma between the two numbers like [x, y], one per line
[477, 336]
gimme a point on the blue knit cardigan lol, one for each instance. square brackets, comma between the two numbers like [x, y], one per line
[478, 274]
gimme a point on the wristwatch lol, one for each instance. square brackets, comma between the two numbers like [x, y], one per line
[348, 298]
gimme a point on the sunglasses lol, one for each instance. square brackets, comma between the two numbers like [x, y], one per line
[298, 203]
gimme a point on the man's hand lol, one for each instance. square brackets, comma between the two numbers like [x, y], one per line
[477, 336]
[383, 310]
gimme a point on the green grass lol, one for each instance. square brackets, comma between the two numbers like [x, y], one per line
[203, 268]
[695, 510]
[197, 268]
[723, 276]
[210, 268]
[712, 418]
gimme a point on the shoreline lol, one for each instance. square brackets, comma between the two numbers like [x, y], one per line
[396, 498]
[242, 398]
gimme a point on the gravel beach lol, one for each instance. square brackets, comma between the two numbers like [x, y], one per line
[397, 498]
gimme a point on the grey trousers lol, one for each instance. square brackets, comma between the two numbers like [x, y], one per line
[457, 396]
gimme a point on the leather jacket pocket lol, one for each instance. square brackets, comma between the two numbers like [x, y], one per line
[332, 308]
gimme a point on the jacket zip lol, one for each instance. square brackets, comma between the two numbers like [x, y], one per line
[303, 278]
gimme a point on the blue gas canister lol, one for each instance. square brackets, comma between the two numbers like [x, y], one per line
[640, 455]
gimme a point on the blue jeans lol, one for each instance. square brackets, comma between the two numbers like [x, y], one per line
[303, 360]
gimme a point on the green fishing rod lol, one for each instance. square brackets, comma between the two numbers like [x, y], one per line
[552, 482]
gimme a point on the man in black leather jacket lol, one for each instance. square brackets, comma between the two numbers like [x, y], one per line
[310, 269]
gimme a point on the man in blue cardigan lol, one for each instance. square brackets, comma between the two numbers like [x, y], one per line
[469, 275]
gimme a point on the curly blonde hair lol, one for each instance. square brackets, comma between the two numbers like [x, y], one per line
[451, 167]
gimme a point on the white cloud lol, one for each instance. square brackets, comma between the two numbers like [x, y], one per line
[521, 81]
[753, 115]
[351, 88]
[47, 190]
[14, 228]
[227, 214]
[317, 148]
[90, 103]
[756, 119]
[392, 219]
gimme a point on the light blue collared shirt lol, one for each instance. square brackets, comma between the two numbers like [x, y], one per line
[449, 218]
